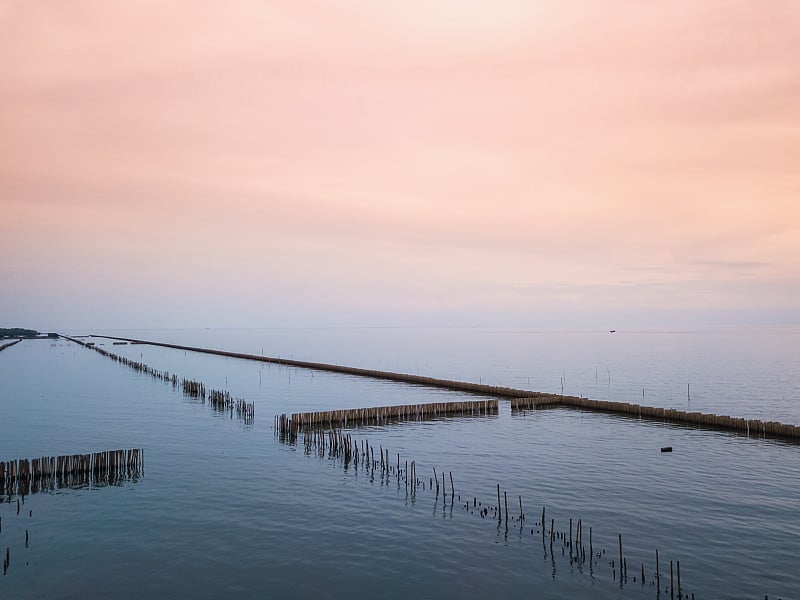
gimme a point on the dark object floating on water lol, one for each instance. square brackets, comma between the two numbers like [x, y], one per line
[612, 331]
[667, 449]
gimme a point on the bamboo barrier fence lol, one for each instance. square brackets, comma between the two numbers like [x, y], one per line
[458, 386]
[568, 541]
[24, 476]
[382, 414]
[9, 344]
[521, 399]
[133, 364]
[722, 422]
[218, 399]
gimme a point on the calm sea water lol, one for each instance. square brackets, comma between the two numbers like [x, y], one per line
[741, 372]
[225, 508]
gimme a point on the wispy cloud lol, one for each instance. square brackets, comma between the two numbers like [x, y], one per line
[398, 155]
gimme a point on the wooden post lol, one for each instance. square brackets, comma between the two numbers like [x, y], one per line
[658, 573]
[570, 535]
[620, 557]
[671, 581]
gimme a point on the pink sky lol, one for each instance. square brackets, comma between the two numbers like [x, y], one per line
[519, 163]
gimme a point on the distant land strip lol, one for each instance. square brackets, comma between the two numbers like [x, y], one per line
[521, 399]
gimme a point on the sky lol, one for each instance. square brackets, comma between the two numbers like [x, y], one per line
[549, 164]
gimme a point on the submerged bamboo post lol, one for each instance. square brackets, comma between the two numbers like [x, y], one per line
[519, 398]
[658, 573]
[671, 581]
[570, 535]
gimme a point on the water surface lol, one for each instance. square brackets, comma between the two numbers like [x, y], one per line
[225, 508]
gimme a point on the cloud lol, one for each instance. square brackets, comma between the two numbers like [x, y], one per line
[405, 156]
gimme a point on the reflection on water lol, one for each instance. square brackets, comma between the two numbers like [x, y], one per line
[224, 494]
[50, 473]
[567, 545]
[746, 372]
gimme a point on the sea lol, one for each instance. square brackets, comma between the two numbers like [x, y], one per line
[225, 507]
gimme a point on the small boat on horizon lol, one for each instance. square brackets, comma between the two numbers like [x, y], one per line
[612, 331]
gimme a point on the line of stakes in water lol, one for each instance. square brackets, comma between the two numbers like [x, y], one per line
[23, 477]
[346, 450]
[218, 399]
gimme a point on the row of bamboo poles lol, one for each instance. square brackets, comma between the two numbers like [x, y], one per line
[749, 426]
[9, 344]
[383, 414]
[520, 398]
[24, 476]
[128, 362]
[458, 386]
[218, 399]
[334, 444]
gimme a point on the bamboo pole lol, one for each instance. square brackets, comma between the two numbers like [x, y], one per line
[720, 422]
[520, 399]
[23, 476]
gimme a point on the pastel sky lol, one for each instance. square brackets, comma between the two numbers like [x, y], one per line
[525, 163]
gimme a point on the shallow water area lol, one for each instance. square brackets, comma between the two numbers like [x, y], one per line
[745, 372]
[226, 508]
